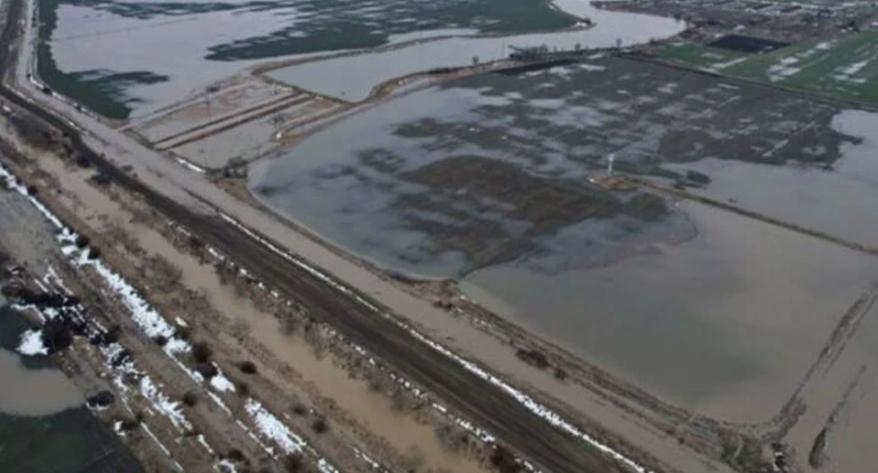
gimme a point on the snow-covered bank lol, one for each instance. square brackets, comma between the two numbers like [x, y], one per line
[271, 428]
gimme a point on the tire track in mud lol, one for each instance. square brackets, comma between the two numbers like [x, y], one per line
[816, 456]
[843, 332]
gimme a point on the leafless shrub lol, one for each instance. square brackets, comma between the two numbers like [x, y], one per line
[289, 323]
[190, 398]
[320, 425]
[240, 328]
[503, 460]
[294, 463]
[207, 369]
[247, 367]
[413, 458]
[452, 438]
[201, 352]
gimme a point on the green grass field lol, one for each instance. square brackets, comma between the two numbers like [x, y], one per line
[846, 67]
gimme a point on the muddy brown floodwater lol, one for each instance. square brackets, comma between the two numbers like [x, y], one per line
[726, 323]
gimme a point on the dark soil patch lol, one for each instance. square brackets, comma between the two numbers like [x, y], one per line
[747, 44]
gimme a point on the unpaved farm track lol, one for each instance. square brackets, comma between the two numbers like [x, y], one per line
[476, 399]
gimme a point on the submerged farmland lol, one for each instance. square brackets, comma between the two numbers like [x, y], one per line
[491, 180]
[120, 56]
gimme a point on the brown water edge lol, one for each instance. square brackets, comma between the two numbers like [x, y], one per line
[724, 324]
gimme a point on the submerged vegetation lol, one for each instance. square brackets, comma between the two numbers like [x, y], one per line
[102, 91]
[312, 27]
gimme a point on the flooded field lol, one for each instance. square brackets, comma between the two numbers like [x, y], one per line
[612, 29]
[495, 168]
[120, 56]
[44, 426]
[735, 315]
[487, 179]
[837, 201]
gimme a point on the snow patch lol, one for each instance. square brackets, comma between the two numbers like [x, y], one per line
[373, 465]
[172, 410]
[117, 426]
[225, 466]
[147, 318]
[592, 67]
[221, 383]
[219, 402]
[854, 68]
[325, 467]
[31, 343]
[272, 428]
[204, 444]
[190, 166]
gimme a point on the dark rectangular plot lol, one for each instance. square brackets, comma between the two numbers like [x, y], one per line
[747, 44]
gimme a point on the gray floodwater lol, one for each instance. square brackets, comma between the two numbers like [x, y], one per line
[840, 202]
[389, 194]
[37, 389]
[352, 78]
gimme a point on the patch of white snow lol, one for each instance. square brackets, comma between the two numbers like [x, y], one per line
[31, 343]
